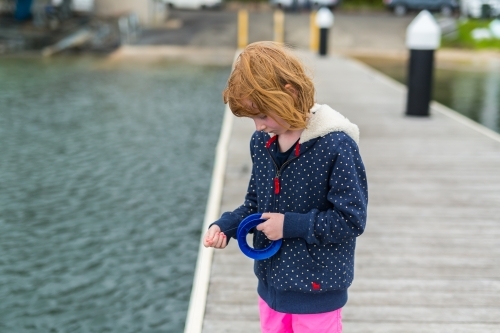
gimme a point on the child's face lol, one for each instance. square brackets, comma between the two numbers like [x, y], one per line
[266, 123]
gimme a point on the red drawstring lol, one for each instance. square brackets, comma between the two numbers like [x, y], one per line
[297, 149]
[270, 141]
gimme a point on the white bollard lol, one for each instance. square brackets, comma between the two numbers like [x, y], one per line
[423, 37]
[324, 21]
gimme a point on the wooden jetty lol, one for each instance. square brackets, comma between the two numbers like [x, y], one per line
[429, 259]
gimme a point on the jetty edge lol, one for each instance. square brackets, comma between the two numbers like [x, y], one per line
[201, 280]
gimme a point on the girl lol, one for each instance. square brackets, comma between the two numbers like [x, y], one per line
[309, 183]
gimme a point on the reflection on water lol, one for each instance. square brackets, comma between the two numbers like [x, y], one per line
[472, 90]
[104, 175]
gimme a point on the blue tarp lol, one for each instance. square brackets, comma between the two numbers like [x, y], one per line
[23, 9]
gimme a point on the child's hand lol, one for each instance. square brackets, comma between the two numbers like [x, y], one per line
[273, 227]
[215, 238]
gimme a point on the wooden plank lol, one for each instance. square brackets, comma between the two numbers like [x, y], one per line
[421, 314]
[438, 299]
[240, 311]
[363, 284]
[231, 325]
[381, 326]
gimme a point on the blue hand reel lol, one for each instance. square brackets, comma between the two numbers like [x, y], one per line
[244, 228]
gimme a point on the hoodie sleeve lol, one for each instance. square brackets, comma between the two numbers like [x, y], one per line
[348, 194]
[229, 221]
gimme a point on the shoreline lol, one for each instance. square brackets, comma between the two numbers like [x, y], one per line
[224, 56]
[217, 56]
[444, 54]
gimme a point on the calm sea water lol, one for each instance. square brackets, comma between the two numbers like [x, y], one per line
[470, 89]
[104, 176]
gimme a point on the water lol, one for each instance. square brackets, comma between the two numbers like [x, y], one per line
[104, 176]
[472, 90]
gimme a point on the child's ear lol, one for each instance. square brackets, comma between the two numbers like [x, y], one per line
[291, 90]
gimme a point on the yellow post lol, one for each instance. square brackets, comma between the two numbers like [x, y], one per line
[279, 26]
[313, 32]
[242, 28]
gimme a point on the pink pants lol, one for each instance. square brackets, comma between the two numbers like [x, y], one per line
[277, 322]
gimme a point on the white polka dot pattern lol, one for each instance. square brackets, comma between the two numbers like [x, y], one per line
[324, 198]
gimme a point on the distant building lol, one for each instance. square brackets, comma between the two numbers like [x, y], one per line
[149, 12]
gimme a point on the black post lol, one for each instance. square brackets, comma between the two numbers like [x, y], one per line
[420, 76]
[324, 21]
[323, 41]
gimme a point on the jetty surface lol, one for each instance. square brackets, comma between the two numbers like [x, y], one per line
[429, 258]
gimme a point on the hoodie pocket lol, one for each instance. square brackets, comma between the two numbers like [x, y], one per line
[302, 267]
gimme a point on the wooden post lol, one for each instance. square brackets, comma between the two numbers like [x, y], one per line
[313, 32]
[279, 26]
[242, 28]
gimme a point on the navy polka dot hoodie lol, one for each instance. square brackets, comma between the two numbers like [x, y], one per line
[322, 191]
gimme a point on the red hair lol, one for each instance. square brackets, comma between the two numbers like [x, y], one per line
[260, 74]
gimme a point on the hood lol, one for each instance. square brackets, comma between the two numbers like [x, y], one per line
[323, 120]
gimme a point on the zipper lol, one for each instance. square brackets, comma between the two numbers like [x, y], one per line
[277, 190]
[277, 182]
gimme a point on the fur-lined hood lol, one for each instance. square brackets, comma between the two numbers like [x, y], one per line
[323, 120]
